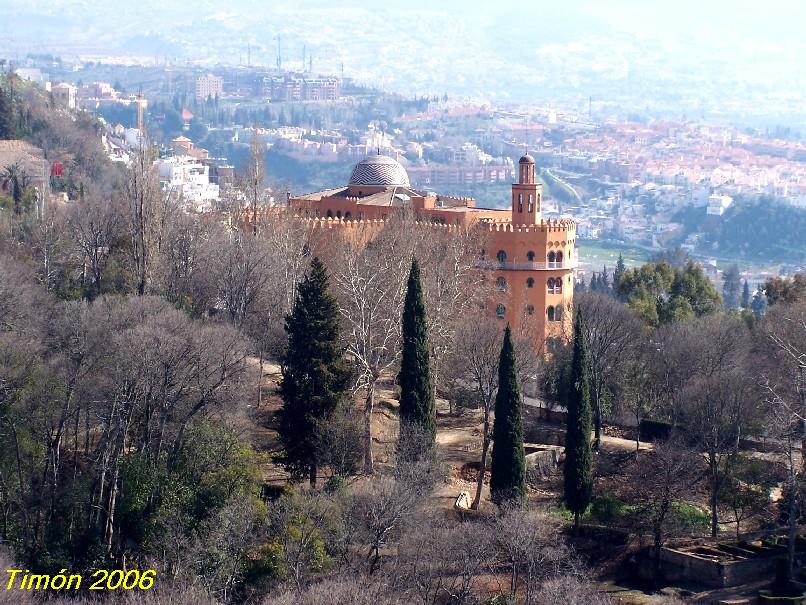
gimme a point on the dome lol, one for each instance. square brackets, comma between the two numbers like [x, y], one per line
[379, 171]
[527, 159]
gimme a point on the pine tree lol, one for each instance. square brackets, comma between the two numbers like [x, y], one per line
[578, 468]
[416, 389]
[508, 466]
[619, 271]
[315, 375]
[746, 296]
[731, 288]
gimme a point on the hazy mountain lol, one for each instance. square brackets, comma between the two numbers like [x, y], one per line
[730, 56]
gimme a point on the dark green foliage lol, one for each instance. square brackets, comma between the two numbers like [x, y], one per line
[6, 119]
[785, 290]
[315, 374]
[618, 272]
[731, 288]
[662, 294]
[759, 304]
[767, 230]
[508, 466]
[746, 296]
[414, 378]
[578, 469]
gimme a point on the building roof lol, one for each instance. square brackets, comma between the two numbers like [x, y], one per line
[379, 171]
[527, 159]
[27, 156]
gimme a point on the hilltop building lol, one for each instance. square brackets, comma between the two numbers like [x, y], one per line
[530, 260]
[64, 95]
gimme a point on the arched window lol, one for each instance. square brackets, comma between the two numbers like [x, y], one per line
[347, 215]
[551, 256]
[530, 283]
[530, 256]
[550, 286]
[531, 203]
[558, 313]
[550, 313]
[329, 214]
[501, 284]
[559, 257]
[558, 285]
[530, 309]
[500, 310]
[338, 213]
[520, 202]
[501, 256]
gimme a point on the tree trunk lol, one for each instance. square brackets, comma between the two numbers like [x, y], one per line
[791, 534]
[597, 421]
[369, 466]
[485, 446]
[576, 524]
[260, 379]
[313, 474]
[637, 434]
[714, 503]
[658, 544]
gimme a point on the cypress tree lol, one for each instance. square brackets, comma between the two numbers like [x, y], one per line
[416, 389]
[746, 296]
[508, 466]
[578, 471]
[731, 288]
[315, 375]
[618, 272]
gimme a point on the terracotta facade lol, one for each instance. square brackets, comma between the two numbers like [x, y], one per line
[530, 262]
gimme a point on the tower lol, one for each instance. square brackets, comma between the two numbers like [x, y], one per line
[526, 194]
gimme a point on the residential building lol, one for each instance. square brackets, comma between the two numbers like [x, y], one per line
[209, 86]
[64, 95]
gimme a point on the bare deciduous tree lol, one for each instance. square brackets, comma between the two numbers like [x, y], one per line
[612, 330]
[371, 280]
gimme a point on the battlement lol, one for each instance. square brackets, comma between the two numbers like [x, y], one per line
[550, 226]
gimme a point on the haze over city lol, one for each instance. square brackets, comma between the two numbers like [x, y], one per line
[739, 60]
[402, 302]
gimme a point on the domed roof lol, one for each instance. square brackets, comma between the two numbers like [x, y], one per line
[527, 159]
[379, 171]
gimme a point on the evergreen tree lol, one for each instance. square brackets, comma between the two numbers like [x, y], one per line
[759, 303]
[6, 122]
[416, 388]
[746, 296]
[619, 271]
[578, 469]
[731, 288]
[581, 286]
[315, 375]
[508, 466]
[604, 282]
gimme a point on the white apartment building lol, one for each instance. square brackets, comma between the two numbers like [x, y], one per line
[189, 179]
[717, 204]
[209, 86]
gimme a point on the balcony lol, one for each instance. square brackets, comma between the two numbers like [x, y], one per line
[526, 266]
